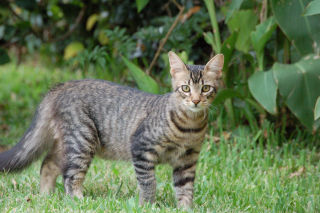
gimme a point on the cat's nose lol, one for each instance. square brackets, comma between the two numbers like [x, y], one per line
[196, 102]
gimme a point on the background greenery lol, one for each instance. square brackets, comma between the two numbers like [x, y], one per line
[262, 151]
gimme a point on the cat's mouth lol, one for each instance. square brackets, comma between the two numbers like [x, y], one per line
[195, 108]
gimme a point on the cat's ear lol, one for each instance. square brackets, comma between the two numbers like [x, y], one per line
[215, 65]
[176, 64]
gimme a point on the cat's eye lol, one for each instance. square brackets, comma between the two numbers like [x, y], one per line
[185, 88]
[205, 88]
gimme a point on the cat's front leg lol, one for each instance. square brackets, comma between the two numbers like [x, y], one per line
[144, 168]
[183, 178]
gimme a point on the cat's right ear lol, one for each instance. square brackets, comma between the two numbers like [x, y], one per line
[214, 66]
[176, 64]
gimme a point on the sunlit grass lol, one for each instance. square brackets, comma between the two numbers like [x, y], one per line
[232, 176]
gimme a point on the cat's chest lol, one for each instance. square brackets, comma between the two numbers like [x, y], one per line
[172, 152]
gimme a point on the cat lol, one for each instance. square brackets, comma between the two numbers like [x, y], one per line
[78, 119]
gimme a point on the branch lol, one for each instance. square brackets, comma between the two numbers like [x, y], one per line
[163, 41]
[73, 28]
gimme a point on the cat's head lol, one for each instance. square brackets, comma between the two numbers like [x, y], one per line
[195, 85]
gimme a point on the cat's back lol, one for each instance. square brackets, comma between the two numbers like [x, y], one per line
[93, 91]
[101, 101]
[95, 87]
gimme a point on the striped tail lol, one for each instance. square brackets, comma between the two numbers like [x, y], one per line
[29, 148]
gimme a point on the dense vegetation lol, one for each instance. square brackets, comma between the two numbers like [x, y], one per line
[255, 36]
[262, 151]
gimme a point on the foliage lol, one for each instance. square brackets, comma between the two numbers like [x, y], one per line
[141, 4]
[264, 88]
[256, 37]
[4, 57]
[299, 86]
[215, 43]
[260, 36]
[313, 8]
[317, 109]
[145, 82]
[72, 50]
[243, 22]
[307, 38]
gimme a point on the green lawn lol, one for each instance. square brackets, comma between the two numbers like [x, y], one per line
[242, 173]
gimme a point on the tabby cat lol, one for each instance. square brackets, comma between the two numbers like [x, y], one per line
[78, 119]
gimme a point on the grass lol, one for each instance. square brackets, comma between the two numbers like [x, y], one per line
[237, 172]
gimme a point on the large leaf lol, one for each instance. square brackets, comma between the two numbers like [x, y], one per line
[243, 22]
[4, 57]
[299, 84]
[313, 8]
[317, 109]
[262, 34]
[145, 82]
[264, 89]
[303, 31]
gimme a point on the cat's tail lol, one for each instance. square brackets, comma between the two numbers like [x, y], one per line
[30, 147]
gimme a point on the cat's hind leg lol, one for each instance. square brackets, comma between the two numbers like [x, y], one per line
[51, 167]
[50, 170]
[80, 146]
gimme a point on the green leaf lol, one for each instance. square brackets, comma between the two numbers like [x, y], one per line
[55, 11]
[299, 85]
[4, 57]
[243, 22]
[91, 21]
[224, 94]
[234, 6]
[262, 34]
[313, 8]
[141, 4]
[317, 109]
[72, 49]
[184, 57]
[145, 82]
[228, 47]
[264, 89]
[208, 37]
[227, 50]
[302, 31]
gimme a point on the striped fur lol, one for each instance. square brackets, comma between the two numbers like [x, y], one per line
[80, 119]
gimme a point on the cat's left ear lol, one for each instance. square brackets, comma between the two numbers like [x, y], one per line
[176, 64]
[215, 65]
